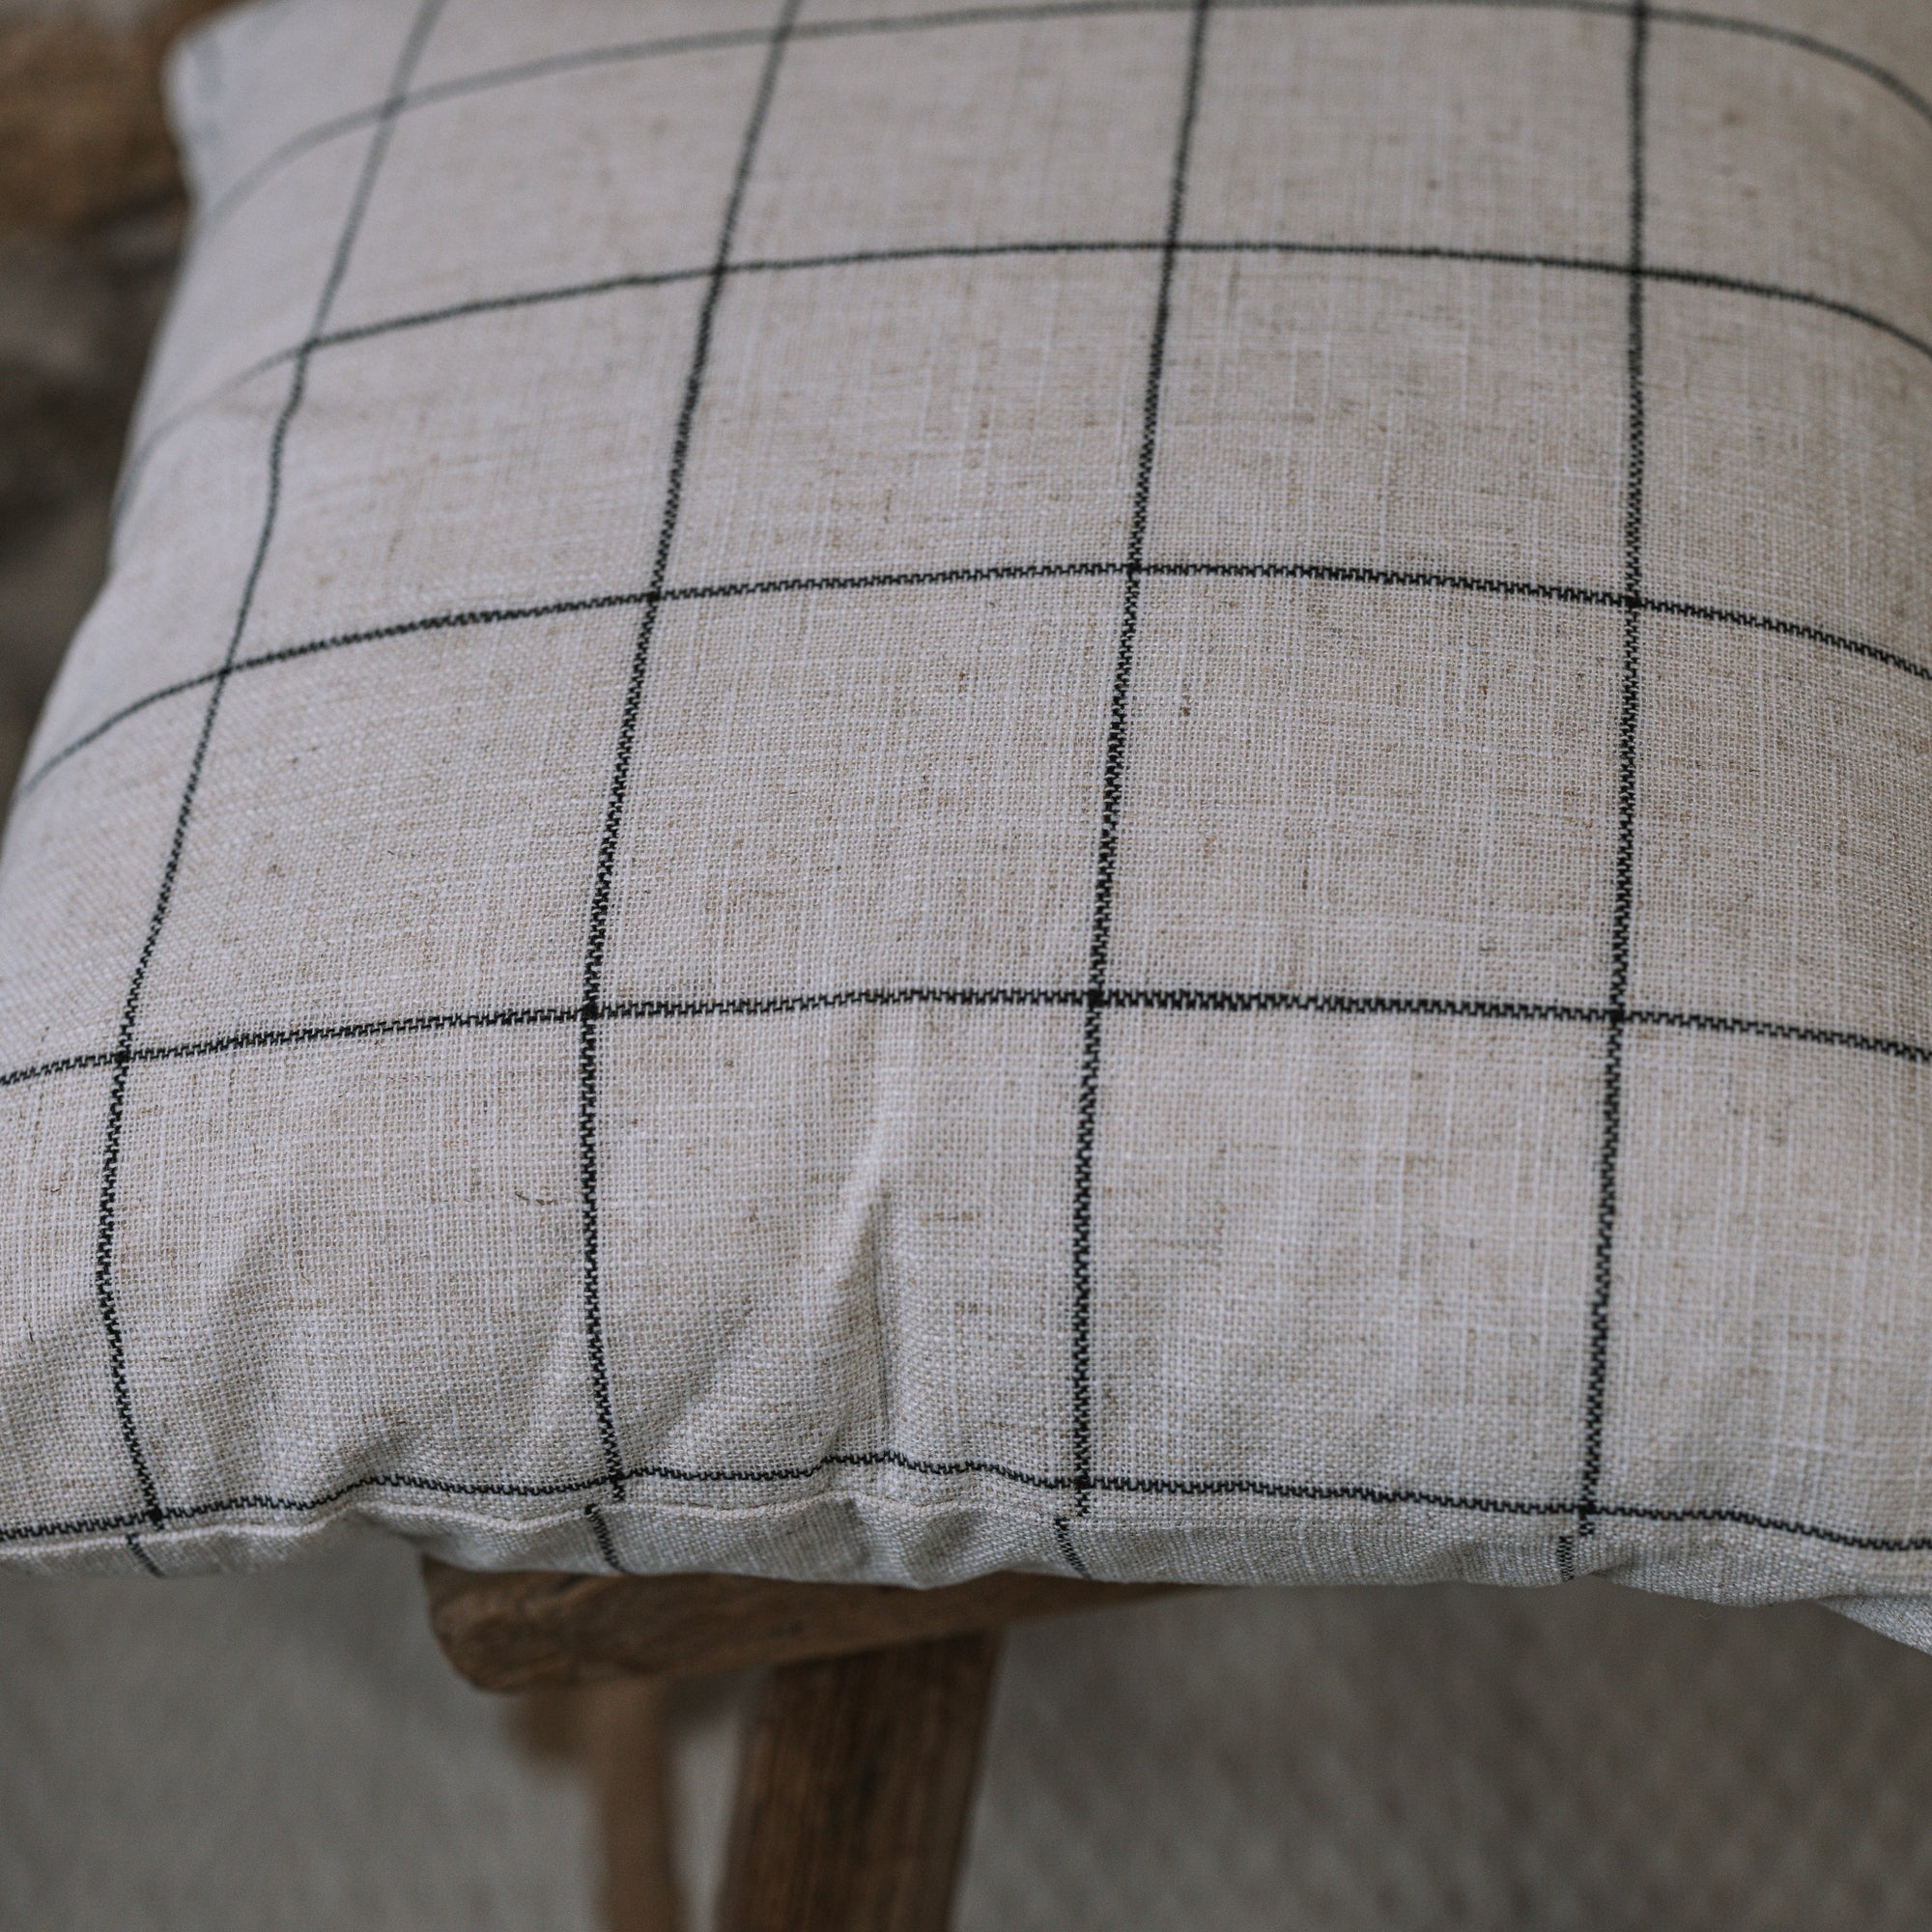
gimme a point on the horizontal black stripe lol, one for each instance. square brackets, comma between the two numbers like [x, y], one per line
[1779, 1524]
[1122, 998]
[489, 615]
[861, 258]
[1785, 627]
[480, 617]
[184, 1515]
[1783, 1030]
[603, 285]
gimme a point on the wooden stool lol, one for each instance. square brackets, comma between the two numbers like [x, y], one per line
[858, 1779]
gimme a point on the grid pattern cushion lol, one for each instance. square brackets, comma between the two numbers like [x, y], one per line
[873, 790]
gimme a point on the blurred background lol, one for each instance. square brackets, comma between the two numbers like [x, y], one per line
[90, 218]
[288, 1751]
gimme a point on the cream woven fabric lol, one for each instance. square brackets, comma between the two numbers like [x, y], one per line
[873, 790]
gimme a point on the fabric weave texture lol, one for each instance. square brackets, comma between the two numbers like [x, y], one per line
[872, 790]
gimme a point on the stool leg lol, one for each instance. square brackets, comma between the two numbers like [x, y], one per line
[626, 1754]
[857, 1785]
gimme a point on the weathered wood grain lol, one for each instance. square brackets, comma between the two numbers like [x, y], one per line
[82, 135]
[525, 1630]
[855, 1791]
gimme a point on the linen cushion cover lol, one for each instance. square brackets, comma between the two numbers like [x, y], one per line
[873, 790]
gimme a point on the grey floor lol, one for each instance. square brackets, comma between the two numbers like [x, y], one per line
[286, 1751]
[281, 1751]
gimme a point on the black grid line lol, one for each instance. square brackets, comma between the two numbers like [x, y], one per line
[122, 1062]
[1117, 999]
[1623, 891]
[640, 279]
[600, 1532]
[603, 876]
[488, 615]
[859, 258]
[1063, 1538]
[1260, 1488]
[1113, 778]
[519, 72]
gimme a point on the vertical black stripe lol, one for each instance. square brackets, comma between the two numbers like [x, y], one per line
[107, 1226]
[590, 1008]
[1062, 1535]
[1624, 888]
[1113, 784]
[606, 1548]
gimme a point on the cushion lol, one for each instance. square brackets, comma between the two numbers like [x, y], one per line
[874, 791]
